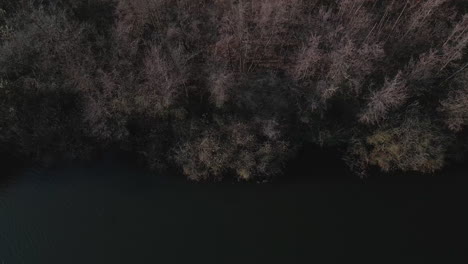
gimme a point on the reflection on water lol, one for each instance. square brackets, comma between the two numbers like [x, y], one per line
[112, 212]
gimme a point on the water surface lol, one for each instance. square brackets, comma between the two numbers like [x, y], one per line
[113, 212]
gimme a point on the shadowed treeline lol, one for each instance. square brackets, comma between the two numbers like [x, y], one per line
[236, 87]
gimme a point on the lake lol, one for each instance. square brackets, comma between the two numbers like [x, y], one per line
[112, 211]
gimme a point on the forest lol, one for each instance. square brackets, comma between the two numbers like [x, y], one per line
[235, 88]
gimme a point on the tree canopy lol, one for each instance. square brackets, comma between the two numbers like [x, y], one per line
[222, 88]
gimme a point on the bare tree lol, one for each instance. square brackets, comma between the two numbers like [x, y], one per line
[392, 95]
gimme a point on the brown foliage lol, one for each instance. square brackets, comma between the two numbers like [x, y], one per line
[413, 145]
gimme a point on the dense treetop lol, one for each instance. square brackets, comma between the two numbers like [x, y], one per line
[236, 87]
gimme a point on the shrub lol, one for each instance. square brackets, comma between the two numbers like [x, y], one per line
[239, 148]
[413, 145]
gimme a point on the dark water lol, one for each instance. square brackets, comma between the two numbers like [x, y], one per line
[113, 212]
